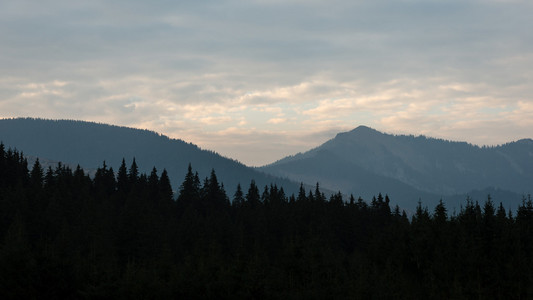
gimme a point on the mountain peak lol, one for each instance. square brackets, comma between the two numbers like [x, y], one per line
[363, 128]
[360, 131]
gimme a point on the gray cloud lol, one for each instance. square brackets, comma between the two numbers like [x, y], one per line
[205, 71]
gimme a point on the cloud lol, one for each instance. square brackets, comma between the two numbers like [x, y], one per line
[216, 120]
[277, 121]
[213, 72]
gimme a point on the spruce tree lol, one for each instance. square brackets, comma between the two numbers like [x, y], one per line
[189, 191]
[440, 215]
[123, 178]
[252, 196]
[37, 174]
[165, 188]
[238, 197]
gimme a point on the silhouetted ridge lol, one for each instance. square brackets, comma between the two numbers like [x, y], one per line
[525, 141]
[364, 129]
[360, 131]
[89, 144]
[430, 168]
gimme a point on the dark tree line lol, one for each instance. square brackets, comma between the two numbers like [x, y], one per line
[123, 234]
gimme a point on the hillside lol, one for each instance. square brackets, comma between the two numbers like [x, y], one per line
[90, 144]
[408, 167]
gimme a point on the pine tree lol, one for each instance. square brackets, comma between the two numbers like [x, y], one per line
[165, 188]
[440, 216]
[104, 180]
[336, 199]
[265, 197]
[488, 210]
[301, 194]
[122, 178]
[352, 200]
[238, 197]
[215, 197]
[501, 214]
[252, 196]
[153, 183]
[37, 174]
[319, 196]
[3, 167]
[49, 177]
[421, 215]
[361, 204]
[133, 174]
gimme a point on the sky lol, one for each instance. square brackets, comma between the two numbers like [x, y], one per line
[258, 80]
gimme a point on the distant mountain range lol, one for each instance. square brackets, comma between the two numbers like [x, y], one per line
[365, 162]
[90, 144]
[362, 162]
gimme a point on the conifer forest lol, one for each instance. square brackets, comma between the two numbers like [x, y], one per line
[126, 235]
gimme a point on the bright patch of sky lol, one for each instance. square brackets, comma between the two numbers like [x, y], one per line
[259, 80]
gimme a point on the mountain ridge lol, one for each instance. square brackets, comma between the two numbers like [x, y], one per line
[435, 168]
[362, 161]
[89, 144]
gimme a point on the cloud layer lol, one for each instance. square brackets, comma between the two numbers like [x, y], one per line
[262, 79]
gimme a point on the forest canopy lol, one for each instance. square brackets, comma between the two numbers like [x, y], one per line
[124, 234]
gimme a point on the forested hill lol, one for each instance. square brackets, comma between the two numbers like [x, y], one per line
[65, 235]
[89, 144]
[409, 167]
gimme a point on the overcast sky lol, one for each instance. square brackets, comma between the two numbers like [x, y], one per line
[259, 80]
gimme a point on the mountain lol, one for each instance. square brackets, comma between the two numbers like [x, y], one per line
[365, 162]
[90, 144]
